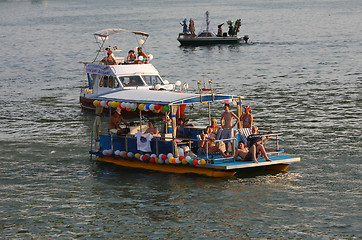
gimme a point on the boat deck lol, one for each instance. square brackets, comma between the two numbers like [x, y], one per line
[230, 164]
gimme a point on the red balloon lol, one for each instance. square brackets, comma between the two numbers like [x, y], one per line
[144, 157]
[152, 159]
[125, 155]
[157, 106]
[164, 157]
[194, 162]
[181, 158]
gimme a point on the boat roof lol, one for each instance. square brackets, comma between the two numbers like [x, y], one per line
[127, 69]
[111, 31]
[162, 97]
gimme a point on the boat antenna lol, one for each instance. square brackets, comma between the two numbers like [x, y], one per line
[207, 21]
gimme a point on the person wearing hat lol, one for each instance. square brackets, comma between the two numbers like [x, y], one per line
[109, 60]
[114, 121]
[247, 118]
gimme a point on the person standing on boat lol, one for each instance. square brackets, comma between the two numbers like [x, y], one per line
[219, 30]
[144, 56]
[114, 121]
[255, 146]
[109, 60]
[247, 118]
[131, 56]
[192, 27]
[227, 126]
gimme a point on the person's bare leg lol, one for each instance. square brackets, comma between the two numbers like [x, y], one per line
[261, 149]
[253, 153]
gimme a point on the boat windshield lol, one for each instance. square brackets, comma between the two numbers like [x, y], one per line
[152, 80]
[131, 81]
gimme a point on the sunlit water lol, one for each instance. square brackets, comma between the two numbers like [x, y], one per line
[301, 73]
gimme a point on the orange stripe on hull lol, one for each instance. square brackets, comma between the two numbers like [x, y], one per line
[168, 167]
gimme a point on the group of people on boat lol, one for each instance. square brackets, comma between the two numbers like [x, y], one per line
[190, 29]
[215, 139]
[131, 58]
[255, 143]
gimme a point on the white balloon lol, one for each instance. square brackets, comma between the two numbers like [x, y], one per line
[178, 83]
[117, 153]
[177, 160]
[141, 42]
[152, 107]
[188, 158]
[153, 155]
[123, 105]
[128, 105]
[170, 155]
[166, 82]
[104, 152]
[140, 58]
[158, 86]
[130, 155]
[150, 57]
[103, 103]
[122, 153]
[160, 161]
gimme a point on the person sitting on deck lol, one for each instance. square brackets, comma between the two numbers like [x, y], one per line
[209, 146]
[114, 121]
[247, 118]
[256, 147]
[142, 57]
[181, 124]
[131, 56]
[213, 129]
[152, 129]
[109, 60]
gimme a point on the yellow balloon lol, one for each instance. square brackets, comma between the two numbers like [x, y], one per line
[141, 107]
[117, 104]
[158, 110]
[202, 162]
[171, 159]
[137, 155]
[95, 103]
[184, 161]
[113, 104]
[156, 160]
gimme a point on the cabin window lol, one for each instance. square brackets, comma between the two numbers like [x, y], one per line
[131, 81]
[109, 81]
[152, 80]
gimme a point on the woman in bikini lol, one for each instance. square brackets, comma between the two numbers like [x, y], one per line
[247, 118]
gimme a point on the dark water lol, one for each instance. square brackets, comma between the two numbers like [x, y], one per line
[301, 75]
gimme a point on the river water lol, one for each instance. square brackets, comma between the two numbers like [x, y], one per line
[301, 74]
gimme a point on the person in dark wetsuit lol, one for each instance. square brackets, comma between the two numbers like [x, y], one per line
[255, 146]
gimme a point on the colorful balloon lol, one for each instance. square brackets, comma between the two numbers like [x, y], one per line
[144, 157]
[195, 162]
[141, 107]
[137, 155]
[166, 108]
[152, 159]
[202, 162]
[95, 103]
[157, 106]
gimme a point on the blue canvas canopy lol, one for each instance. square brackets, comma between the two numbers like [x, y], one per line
[162, 97]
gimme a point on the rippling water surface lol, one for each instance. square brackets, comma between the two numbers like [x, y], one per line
[301, 73]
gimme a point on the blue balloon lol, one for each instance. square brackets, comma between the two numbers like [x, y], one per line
[147, 107]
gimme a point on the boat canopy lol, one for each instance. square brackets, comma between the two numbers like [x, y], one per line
[162, 97]
[111, 31]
